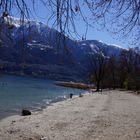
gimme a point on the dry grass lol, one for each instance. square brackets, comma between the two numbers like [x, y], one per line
[75, 85]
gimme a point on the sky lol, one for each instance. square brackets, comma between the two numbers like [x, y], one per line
[42, 15]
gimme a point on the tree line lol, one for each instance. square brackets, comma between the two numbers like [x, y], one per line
[122, 71]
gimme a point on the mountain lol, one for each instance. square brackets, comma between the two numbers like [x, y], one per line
[32, 48]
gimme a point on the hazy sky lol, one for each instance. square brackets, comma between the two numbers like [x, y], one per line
[42, 15]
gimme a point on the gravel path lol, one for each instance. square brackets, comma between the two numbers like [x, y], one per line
[112, 115]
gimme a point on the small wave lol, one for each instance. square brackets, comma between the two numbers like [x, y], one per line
[59, 98]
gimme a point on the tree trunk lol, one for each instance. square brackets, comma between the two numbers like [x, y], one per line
[98, 86]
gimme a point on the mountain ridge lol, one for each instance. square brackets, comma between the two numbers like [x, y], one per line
[41, 50]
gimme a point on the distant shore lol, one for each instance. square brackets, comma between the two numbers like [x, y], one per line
[75, 85]
[112, 115]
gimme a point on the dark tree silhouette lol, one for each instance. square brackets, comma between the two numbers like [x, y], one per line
[98, 60]
[130, 69]
[110, 80]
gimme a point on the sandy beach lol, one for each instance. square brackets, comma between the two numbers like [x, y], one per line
[112, 115]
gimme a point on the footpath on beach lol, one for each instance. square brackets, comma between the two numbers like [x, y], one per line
[112, 115]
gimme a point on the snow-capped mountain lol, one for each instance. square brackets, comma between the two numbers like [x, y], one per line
[34, 48]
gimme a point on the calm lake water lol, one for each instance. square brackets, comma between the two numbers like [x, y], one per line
[17, 93]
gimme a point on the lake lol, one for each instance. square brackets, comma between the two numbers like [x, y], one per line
[17, 93]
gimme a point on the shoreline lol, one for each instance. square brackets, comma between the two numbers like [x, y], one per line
[43, 109]
[12, 103]
[36, 109]
[51, 104]
[112, 115]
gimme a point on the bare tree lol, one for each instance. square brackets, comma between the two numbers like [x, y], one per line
[122, 16]
[111, 73]
[98, 61]
[129, 72]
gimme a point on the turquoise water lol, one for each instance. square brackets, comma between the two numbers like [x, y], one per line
[17, 93]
